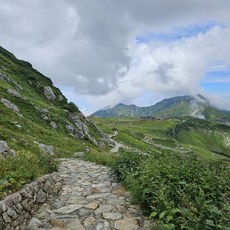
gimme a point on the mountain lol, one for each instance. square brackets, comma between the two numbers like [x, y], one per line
[37, 124]
[195, 106]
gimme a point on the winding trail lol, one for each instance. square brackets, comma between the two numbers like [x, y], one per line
[90, 199]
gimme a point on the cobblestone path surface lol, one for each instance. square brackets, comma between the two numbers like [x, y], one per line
[90, 199]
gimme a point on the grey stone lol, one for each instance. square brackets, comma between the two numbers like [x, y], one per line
[34, 224]
[41, 196]
[44, 110]
[112, 216]
[47, 149]
[70, 128]
[10, 212]
[10, 105]
[14, 93]
[85, 129]
[4, 147]
[53, 124]
[68, 209]
[49, 94]
[104, 208]
[44, 117]
[89, 221]
[74, 224]
[6, 218]
[58, 204]
[26, 205]
[83, 212]
[79, 154]
[127, 224]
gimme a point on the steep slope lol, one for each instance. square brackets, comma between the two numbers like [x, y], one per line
[37, 122]
[195, 106]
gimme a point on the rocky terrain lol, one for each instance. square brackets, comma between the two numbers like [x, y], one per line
[89, 199]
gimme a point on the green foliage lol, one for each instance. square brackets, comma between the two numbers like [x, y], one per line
[71, 107]
[179, 191]
[102, 158]
[22, 169]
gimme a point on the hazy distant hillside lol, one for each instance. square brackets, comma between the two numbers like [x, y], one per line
[195, 106]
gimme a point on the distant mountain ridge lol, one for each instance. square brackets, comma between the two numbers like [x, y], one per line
[195, 106]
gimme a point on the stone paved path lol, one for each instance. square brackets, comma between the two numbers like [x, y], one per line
[90, 199]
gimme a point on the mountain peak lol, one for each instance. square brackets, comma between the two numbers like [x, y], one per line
[187, 105]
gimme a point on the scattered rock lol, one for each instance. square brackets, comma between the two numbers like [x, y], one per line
[44, 110]
[4, 147]
[14, 93]
[79, 154]
[44, 117]
[47, 149]
[53, 125]
[10, 105]
[49, 94]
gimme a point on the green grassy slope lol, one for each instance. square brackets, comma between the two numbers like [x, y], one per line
[208, 139]
[21, 130]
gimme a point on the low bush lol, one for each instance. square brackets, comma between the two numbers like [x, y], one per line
[23, 168]
[178, 191]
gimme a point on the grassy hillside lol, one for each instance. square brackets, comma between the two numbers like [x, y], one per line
[194, 106]
[178, 170]
[31, 119]
[208, 139]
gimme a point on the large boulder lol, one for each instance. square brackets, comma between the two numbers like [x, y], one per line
[10, 105]
[14, 93]
[49, 94]
[4, 147]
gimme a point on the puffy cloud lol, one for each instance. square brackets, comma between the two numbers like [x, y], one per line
[91, 46]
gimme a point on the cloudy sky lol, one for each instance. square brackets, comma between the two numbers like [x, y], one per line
[101, 52]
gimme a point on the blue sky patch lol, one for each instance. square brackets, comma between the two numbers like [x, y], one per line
[176, 33]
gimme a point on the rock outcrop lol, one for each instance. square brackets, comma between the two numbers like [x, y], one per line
[49, 94]
[10, 105]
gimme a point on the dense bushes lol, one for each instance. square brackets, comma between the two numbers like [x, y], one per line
[25, 167]
[179, 191]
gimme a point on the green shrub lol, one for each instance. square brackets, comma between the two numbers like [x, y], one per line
[23, 168]
[179, 191]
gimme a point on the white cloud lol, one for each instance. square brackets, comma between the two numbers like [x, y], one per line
[89, 46]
